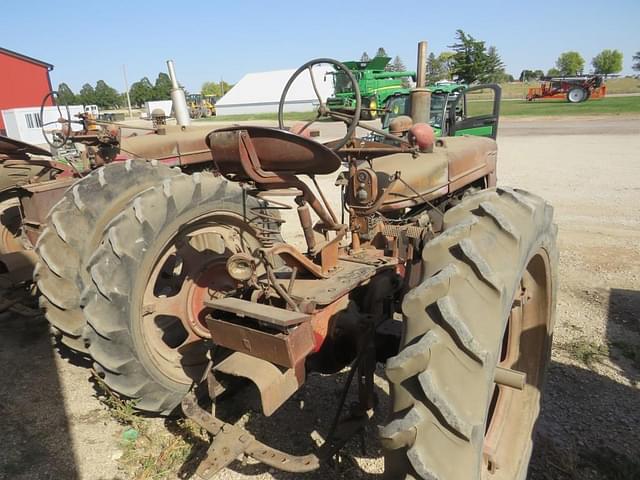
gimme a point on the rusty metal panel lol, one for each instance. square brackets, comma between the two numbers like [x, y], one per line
[275, 387]
[279, 348]
[265, 313]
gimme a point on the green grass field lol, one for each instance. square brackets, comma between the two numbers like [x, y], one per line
[522, 108]
[605, 106]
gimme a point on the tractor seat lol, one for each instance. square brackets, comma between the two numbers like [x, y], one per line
[276, 151]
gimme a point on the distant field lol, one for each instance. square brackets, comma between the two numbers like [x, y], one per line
[605, 106]
[614, 85]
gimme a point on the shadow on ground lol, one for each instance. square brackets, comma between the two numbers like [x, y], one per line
[581, 434]
[33, 422]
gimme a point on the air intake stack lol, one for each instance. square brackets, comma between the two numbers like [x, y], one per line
[180, 108]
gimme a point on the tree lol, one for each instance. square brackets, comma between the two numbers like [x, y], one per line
[570, 63]
[494, 71]
[397, 65]
[607, 62]
[217, 89]
[66, 95]
[106, 96]
[381, 52]
[141, 92]
[553, 72]
[162, 87]
[470, 60]
[636, 60]
[87, 95]
[364, 57]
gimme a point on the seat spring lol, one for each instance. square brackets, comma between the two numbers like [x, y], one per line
[265, 223]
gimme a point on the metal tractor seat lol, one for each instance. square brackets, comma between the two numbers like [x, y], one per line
[263, 154]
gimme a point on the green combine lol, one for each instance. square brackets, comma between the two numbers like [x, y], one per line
[376, 86]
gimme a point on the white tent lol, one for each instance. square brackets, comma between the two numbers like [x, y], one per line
[260, 92]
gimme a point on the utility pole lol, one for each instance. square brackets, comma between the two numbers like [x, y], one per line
[126, 89]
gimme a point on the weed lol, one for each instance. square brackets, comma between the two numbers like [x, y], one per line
[585, 351]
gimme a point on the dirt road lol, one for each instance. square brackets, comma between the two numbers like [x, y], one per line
[54, 426]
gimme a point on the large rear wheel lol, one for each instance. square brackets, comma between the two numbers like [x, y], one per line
[73, 231]
[161, 258]
[487, 300]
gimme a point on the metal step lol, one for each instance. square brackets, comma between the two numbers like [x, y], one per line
[265, 313]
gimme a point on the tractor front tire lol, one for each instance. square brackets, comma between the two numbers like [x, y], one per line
[74, 230]
[486, 300]
[160, 259]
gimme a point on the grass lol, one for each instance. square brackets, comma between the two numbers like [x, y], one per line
[585, 351]
[605, 106]
[589, 353]
[152, 453]
[509, 108]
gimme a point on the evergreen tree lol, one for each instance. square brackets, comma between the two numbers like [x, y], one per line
[470, 60]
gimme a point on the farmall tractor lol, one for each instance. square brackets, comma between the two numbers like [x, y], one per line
[185, 284]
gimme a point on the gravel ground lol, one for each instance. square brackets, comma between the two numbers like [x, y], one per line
[55, 427]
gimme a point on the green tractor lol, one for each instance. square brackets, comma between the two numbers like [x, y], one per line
[375, 83]
[456, 109]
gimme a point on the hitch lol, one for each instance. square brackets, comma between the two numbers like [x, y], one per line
[230, 441]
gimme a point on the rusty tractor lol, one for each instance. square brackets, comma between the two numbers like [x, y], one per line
[183, 285]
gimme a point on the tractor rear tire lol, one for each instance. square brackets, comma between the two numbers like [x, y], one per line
[577, 95]
[487, 299]
[74, 230]
[146, 323]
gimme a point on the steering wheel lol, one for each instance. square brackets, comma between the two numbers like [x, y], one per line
[323, 111]
[59, 137]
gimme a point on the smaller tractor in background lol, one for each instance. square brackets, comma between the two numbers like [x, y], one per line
[376, 86]
[201, 106]
[575, 89]
[452, 113]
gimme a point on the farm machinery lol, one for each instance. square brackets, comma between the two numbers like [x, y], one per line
[450, 114]
[375, 84]
[575, 89]
[179, 284]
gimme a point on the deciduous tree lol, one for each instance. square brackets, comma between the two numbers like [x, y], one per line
[162, 87]
[141, 92]
[87, 95]
[607, 62]
[570, 63]
[66, 95]
[636, 62]
[105, 96]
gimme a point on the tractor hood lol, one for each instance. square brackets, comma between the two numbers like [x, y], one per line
[454, 163]
[171, 144]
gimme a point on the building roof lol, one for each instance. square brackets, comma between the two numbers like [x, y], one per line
[266, 87]
[26, 58]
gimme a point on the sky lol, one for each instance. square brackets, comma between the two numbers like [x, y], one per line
[209, 40]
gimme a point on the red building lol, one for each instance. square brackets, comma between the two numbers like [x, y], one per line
[24, 81]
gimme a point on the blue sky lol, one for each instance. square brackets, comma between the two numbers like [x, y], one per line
[88, 41]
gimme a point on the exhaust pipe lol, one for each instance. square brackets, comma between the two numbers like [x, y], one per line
[180, 109]
[420, 96]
